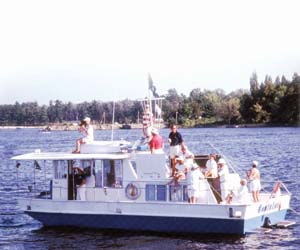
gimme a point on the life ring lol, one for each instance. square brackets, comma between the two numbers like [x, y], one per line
[132, 191]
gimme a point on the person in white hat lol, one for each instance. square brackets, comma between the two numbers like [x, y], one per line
[86, 128]
[223, 174]
[156, 143]
[254, 181]
[240, 195]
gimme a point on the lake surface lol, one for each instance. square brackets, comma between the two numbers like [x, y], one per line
[276, 149]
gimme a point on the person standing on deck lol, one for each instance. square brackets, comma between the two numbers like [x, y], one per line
[156, 143]
[147, 121]
[193, 177]
[254, 179]
[223, 174]
[175, 141]
[212, 175]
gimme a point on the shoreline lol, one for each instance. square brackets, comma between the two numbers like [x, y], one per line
[61, 127]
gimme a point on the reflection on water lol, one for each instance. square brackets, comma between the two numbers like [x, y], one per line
[277, 150]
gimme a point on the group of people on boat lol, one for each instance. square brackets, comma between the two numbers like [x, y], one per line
[183, 166]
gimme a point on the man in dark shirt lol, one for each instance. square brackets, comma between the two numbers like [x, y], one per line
[175, 140]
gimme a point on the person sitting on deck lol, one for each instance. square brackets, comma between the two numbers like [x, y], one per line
[87, 129]
[211, 167]
[239, 196]
[187, 155]
[156, 143]
[180, 171]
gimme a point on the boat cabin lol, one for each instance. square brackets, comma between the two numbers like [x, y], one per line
[104, 171]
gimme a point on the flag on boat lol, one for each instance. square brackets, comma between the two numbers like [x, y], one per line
[152, 87]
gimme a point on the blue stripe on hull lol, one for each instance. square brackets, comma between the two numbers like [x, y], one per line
[154, 223]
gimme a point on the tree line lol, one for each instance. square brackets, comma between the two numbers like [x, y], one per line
[269, 102]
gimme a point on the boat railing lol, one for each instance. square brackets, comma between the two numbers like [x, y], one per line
[153, 191]
[274, 186]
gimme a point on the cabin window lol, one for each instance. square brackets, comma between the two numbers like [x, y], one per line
[150, 192]
[161, 192]
[112, 173]
[156, 192]
[60, 169]
[178, 194]
[88, 167]
[99, 173]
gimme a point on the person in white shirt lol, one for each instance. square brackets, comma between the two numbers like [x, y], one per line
[211, 174]
[212, 167]
[223, 174]
[181, 169]
[86, 128]
[193, 177]
[187, 155]
[239, 196]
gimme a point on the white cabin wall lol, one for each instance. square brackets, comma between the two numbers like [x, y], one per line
[129, 173]
[151, 166]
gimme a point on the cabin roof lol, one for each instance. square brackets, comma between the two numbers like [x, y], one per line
[69, 156]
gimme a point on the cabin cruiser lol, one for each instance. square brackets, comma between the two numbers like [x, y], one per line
[128, 189]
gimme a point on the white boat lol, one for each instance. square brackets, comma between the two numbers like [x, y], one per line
[128, 189]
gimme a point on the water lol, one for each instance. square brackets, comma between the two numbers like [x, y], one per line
[276, 149]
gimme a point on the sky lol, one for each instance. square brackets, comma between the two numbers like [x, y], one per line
[103, 50]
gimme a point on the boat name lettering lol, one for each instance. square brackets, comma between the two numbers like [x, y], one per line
[268, 207]
[152, 174]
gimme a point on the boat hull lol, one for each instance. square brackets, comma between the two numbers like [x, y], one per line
[157, 223]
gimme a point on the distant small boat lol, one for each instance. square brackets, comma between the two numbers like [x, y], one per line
[232, 126]
[47, 129]
[126, 126]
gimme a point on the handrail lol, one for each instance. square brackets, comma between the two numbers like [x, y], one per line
[285, 187]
